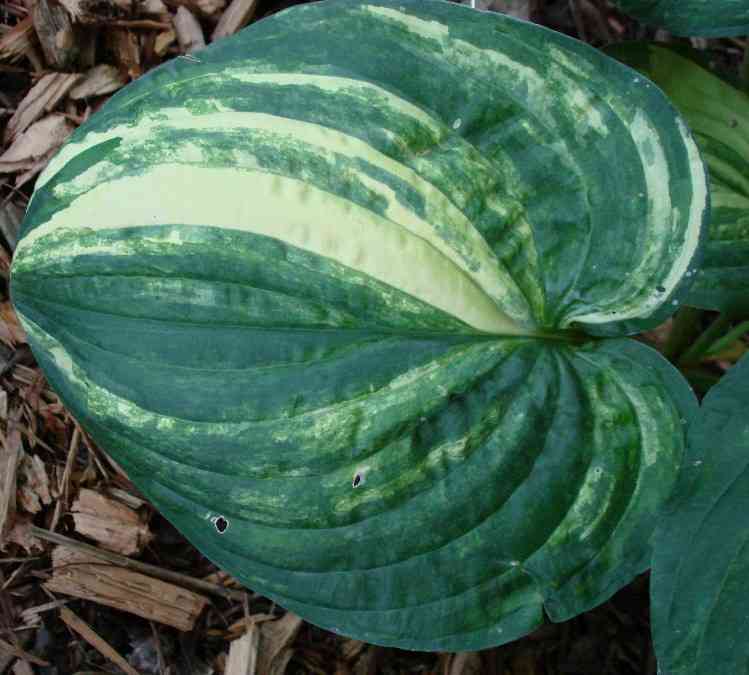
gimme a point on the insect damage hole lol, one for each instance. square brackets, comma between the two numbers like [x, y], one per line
[220, 523]
[359, 477]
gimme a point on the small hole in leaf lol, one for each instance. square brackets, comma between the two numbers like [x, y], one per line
[221, 524]
[660, 289]
[357, 480]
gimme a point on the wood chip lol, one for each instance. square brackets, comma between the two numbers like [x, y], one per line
[7, 648]
[86, 576]
[21, 535]
[33, 490]
[517, 8]
[95, 640]
[153, 7]
[367, 663]
[42, 98]
[31, 615]
[113, 524]
[12, 448]
[40, 140]
[204, 8]
[465, 663]
[189, 31]
[351, 649]
[276, 638]
[56, 33]
[98, 81]
[164, 40]
[10, 320]
[126, 498]
[236, 16]
[243, 654]
[127, 51]
[11, 216]
[97, 11]
[22, 668]
[18, 41]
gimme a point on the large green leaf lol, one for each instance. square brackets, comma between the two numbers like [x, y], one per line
[331, 284]
[709, 18]
[718, 115]
[701, 560]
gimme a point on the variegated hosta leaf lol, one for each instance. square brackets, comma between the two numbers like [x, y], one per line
[701, 559]
[319, 286]
[718, 115]
[709, 18]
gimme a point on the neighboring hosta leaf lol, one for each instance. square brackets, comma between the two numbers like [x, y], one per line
[315, 292]
[701, 561]
[709, 18]
[718, 115]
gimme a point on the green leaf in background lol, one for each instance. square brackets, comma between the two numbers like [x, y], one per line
[718, 115]
[324, 292]
[708, 18]
[701, 561]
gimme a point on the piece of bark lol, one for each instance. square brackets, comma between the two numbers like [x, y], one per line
[238, 628]
[11, 216]
[56, 33]
[127, 51]
[367, 663]
[21, 535]
[95, 640]
[351, 649]
[98, 81]
[164, 40]
[465, 663]
[7, 648]
[237, 15]
[125, 497]
[22, 667]
[63, 487]
[33, 492]
[113, 524]
[97, 11]
[42, 98]
[276, 638]
[18, 41]
[40, 140]
[31, 616]
[10, 320]
[188, 30]
[210, 9]
[243, 654]
[152, 7]
[86, 576]
[12, 448]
